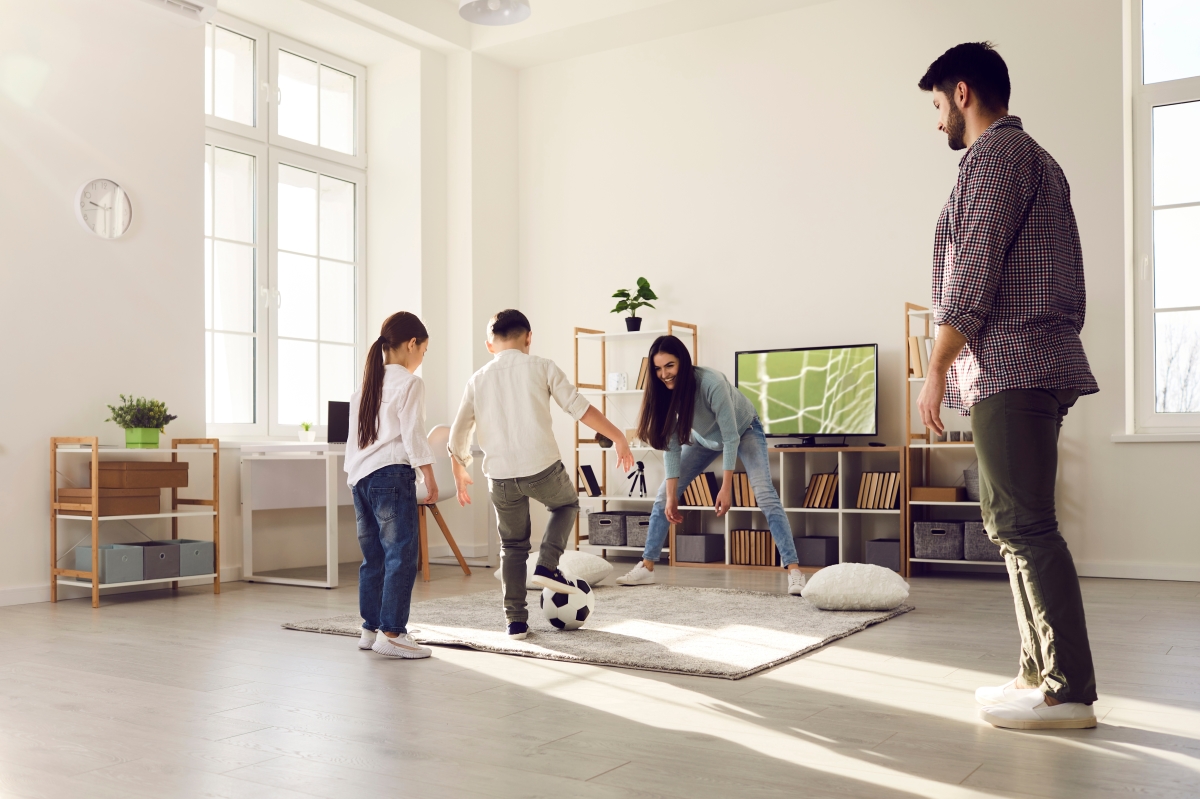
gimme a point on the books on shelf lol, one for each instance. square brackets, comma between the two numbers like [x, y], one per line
[878, 491]
[590, 484]
[822, 490]
[643, 373]
[919, 350]
[702, 492]
[753, 548]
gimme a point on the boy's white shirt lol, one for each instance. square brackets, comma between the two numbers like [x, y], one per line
[507, 406]
[402, 437]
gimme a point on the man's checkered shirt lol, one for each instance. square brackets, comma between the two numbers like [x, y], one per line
[1008, 271]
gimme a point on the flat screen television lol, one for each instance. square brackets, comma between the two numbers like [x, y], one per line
[813, 391]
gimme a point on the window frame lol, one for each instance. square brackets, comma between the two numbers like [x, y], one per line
[359, 158]
[1145, 98]
[259, 151]
[358, 177]
[257, 131]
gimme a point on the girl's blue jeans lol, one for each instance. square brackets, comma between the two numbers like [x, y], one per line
[385, 503]
[752, 449]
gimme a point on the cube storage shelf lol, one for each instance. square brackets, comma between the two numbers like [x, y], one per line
[90, 446]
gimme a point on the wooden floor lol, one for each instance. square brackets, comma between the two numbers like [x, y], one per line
[192, 695]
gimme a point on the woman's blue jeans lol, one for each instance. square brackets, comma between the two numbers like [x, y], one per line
[752, 449]
[385, 504]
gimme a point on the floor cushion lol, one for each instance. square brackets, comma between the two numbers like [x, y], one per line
[856, 586]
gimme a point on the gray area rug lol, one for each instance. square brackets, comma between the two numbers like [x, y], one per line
[710, 632]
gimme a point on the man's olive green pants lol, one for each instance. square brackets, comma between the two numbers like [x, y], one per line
[1016, 439]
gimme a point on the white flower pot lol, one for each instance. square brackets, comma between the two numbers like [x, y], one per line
[307, 436]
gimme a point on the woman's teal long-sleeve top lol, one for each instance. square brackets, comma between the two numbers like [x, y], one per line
[722, 414]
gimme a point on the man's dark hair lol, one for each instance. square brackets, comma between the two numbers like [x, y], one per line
[509, 323]
[976, 64]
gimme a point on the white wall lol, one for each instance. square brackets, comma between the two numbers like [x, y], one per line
[778, 181]
[91, 89]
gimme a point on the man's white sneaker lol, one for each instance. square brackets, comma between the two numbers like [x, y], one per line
[638, 575]
[402, 646]
[367, 639]
[1032, 713]
[796, 580]
[1000, 694]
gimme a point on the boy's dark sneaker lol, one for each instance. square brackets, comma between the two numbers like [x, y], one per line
[517, 629]
[554, 580]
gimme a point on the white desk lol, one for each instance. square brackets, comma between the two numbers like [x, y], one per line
[287, 475]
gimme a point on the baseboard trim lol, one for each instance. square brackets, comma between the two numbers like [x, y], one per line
[25, 595]
[1170, 572]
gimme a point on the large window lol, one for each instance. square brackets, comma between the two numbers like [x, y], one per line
[1167, 215]
[283, 230]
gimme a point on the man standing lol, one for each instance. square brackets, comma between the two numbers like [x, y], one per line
[1008, 297]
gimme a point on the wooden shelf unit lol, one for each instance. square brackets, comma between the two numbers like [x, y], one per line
[600, 389]
[61, 445]
[927, 458]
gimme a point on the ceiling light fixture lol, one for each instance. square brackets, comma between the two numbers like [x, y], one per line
[494, 12]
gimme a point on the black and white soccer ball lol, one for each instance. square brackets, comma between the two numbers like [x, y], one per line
[569, 611]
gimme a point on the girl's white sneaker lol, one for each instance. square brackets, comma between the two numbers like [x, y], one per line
[638, 575]
[367, 639]
[796, 580]
[402, 646]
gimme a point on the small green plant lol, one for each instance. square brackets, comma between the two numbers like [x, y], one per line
[140, 413]
[306, 426]
[631, 301]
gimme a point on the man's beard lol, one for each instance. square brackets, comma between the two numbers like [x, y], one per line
[956, 128]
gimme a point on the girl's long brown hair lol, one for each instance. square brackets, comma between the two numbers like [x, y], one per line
[397, 329]
[666, 411]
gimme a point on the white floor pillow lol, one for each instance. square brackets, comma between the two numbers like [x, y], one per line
[855, 586]
[592, 568]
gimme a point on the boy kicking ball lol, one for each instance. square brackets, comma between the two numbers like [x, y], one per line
[507, 406]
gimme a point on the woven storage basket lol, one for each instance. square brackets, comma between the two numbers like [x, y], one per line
[637, 525]
[606, 529]
[977, 545]
[971, 479]
[938, 540]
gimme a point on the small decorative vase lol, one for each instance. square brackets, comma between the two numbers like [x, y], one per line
[141, 438]
[633, 323]
[307, 436]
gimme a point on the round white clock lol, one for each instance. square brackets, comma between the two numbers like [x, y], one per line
[103, 207]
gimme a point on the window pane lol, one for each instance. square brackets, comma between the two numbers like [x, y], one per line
[297, 296]
[208, 48]
[1170, 32]
[1177, 153]
[337, 110]
[1177, 257]
[233, 211]
[208, 378]
[297, 211]
[297, 114]
[337, 219]
[208, 254]
[208, 160]
[1177, 362]
[337, 376]
[233, 378]
[337, 302]
[233, 287]
[297, 381]
[233, 77]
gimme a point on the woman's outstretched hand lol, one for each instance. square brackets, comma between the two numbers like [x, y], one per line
[673, 514]
[724, 499]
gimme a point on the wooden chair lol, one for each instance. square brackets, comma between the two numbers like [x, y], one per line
[439, 437]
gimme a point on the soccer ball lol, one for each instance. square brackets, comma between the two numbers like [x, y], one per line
[569, 611]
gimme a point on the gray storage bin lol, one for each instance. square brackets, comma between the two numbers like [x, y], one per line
[159, 559]
[637, 526]
[119, 563]
[977, 545]
[938, 540]
[700, 548]
[195, 557]
[606, 529]
[816, 550]
[884, 552]
[971, 481]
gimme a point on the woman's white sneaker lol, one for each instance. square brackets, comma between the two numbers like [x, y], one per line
[638, 575]
[1000, 694]
[402, 646]
[796, 580]
[1032, 713]
[367, 639]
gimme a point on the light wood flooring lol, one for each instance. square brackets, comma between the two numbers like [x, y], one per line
[191, 695]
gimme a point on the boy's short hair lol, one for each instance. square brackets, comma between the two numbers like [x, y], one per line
[979, 66]
[508, 323]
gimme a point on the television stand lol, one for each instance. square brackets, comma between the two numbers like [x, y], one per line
[811, 441]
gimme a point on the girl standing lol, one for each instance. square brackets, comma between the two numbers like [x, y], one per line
[387, 445]
[693, 413]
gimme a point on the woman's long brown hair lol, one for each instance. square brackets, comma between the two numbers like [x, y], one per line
[666, 411]
[399, 328]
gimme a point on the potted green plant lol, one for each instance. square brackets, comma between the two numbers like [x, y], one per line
[307, 434]
[142, 419]
[631, 301]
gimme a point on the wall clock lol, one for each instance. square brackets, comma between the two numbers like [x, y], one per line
[103, 207]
